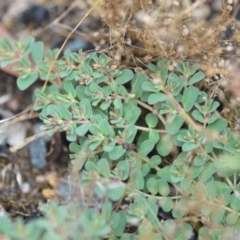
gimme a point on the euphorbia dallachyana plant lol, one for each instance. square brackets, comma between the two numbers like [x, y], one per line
[146, 145]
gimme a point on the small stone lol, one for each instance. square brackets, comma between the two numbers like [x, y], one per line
[36, 15]
[75, 44]
[38, 150]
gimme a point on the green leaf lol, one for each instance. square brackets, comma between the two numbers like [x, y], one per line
[185, 183]
[7, 43]
[80, 90]
[104, 168]
[117, 152]
[198, 116]
[177, 172]
[119, 220]
[106, 210]
[145, 148]
[194, 68]
[95, 129]
[234, 163]
[6, 226]
[105, 105]
[211, 188]
[156, 97]
[164, 146]
[207, 172]
[201, 189]
[23, 82]
[24, 61]
[37, 52]
[182, 67]
[152, 67]
[134, 114]
[234, 202]
[225, 196]
[94, 87]
[202, 96]
[86, 107]
[218, 214]
[109, 144]
[70, 90]
[63, 109]
[213, 106]
[136, 84]
[155, 161]
[106, 128]
[45, 75]
[207, 209]
[83, 129]
[129, 237]
[145, 168]
[173, 127]
[232, 147]
[175, 85]
[164, 73]
[195, 171]
[167, 204]
[117, 103]
[172, 76]
[154, 136]
[86, 69]
[125, 76]
[139, 181]
[116, 190]
[130, 133]
[196, 78]
[218, 126]
[186, 147]
[152, 186]
[163, 187]
[232, 218]
[213, 118]
[180, 208]
[125, 168]
[189, 98]
[5, 62]
[151, 120]
[75, 147]
[149, 87]
[91, 166]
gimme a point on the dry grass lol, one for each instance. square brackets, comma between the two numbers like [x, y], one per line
[139, 32]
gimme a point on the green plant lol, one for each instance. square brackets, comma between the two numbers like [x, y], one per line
[145, 142]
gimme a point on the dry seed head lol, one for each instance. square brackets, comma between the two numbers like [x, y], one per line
[229, 8]
[185, 31]
[180, 48]
[221, 63]
[167, 21]
[156, 81]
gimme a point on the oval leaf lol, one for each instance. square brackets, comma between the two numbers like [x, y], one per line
[189, 98]
[164, 146]
[145, 148]
[117, 152]
[196, 78]
[125, 76]
[24, 83]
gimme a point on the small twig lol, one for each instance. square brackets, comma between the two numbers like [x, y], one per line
[28, 140]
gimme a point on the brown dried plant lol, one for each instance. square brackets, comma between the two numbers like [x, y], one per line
[139, 32]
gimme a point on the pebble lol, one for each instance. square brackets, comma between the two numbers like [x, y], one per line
[38, 150]
[35, 14]
[75, 44]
